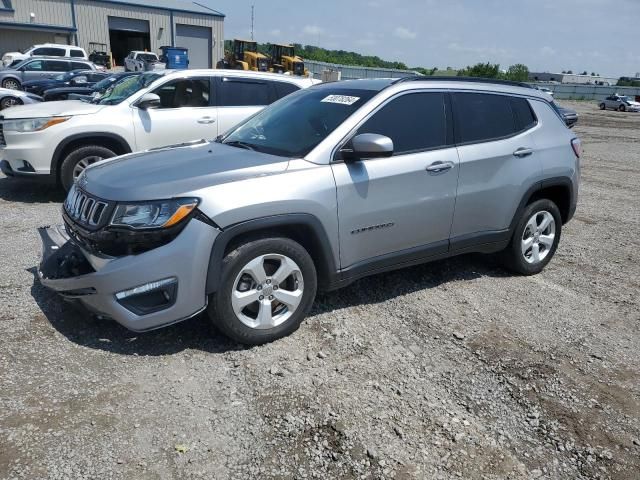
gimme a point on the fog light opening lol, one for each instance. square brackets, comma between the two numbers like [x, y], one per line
[150, 297]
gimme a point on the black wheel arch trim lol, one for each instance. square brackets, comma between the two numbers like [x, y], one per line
[325, 265]
[56, 159]
[541, 185]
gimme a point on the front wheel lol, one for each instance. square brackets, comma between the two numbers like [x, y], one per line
[11, 84]
[602, 106]
[622, 108]
[535, 238]
[267, 288]
[78, 160]
[7, 102]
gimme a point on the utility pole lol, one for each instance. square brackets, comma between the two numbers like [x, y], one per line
[252, 7]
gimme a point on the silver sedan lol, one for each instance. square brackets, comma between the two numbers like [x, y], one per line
[10, 98]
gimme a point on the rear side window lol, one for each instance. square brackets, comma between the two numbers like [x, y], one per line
[284, 88]
[56, 66]
[525, 118]
[243, 92]
[77, 53]
[416, 121]
[49, 51]
[79, 66]
[482, 117]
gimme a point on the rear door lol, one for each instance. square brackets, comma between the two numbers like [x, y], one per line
[498, 162]
[186, 113]
[400, 205]
[240, 97]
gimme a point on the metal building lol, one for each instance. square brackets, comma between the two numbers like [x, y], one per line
[123, 25]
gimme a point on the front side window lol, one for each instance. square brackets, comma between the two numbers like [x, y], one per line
[295, 126]
[414, 122]
[482, 117]
[185, 92]
[35, 66]
[127, 87]
[243, 92]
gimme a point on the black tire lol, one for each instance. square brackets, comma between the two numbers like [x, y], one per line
[603, 106]
[513, 257]
[622, 108]
[7, 102]
[220, 308]
[77, 156]
[11, 83]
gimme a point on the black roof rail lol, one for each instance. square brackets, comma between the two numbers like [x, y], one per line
[422, 78]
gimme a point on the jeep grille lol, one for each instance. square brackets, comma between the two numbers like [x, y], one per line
[84, 209]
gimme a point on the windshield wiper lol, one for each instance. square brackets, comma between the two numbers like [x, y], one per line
[239, 144]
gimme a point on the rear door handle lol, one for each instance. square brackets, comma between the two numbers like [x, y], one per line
[523, 152]
[206, 120]
[439, 167]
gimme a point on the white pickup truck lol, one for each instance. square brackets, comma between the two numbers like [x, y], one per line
[138, 61]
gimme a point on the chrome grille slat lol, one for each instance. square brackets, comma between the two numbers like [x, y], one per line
[85, 209]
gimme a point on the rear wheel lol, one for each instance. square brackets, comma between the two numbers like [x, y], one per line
[267, 288]
[535, 238]
[78, 160]
[7, 102]
[11, 83]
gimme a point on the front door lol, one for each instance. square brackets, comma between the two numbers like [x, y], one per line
[401, 206]
[185, 114]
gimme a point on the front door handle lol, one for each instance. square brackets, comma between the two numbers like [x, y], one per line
[439, 167]
[206, 120]
[523, 152]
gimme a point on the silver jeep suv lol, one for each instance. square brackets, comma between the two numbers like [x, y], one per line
[328, 185]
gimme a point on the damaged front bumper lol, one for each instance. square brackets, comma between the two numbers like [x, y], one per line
[141, 292]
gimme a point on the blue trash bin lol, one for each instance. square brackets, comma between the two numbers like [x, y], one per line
[176, 58]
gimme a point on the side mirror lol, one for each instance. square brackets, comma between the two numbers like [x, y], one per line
[368, 145]
[148, 100]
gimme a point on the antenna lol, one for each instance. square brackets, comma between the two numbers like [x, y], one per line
[252, 7]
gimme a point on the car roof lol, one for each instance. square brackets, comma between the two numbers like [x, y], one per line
[241, 74]
[51, 57]
[453, 83]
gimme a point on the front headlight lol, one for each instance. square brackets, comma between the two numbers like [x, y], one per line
[159, 214]
[31, 124]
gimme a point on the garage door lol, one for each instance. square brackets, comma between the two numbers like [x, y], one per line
[198, 41]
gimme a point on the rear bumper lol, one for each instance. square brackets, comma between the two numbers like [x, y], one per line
[95, 281]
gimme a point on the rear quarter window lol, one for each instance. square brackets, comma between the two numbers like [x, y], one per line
[80, 66]
[77, 53]
[524, 116]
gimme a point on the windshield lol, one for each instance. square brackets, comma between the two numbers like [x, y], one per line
[147, 57]
[127, 87]
[295, 125]
[102, 85]
[624, 99]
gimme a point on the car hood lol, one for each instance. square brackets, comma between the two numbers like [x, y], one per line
[175, 171]
[633, 103]
[53, 109]
[83, 90]
[38, 83]
[14, 93]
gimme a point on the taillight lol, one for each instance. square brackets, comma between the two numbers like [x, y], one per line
[576, 144]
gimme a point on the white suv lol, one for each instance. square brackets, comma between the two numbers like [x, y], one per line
[155, 109]
[46, 49]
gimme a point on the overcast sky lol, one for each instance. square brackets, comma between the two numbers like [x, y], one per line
[546, 35]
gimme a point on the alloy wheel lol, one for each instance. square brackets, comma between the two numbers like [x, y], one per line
[267, 291]
[11, 84]
[538, 237]
[84, 163]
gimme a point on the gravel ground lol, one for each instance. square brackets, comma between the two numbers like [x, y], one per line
[450, 370]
